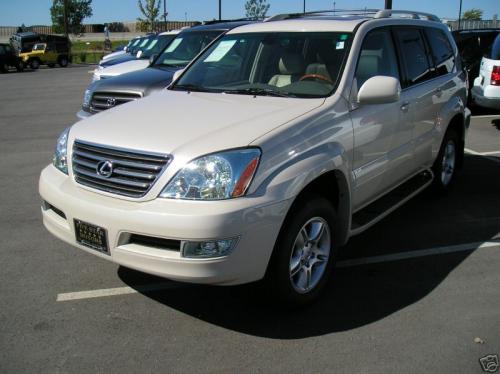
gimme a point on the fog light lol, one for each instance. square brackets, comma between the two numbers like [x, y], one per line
[206, 249]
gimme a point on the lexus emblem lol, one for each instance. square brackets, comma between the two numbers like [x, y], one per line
[105, 168]
[111, 102]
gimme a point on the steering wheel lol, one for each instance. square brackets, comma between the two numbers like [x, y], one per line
[316, 76]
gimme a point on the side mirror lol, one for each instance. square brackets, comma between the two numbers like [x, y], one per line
[152, 58]
[177, 74]
[379, 90]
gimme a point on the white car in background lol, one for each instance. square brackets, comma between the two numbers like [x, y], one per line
[143, 58]
[120, 53]
[486, 89]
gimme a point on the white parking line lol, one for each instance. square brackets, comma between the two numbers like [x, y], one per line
[420, 253]
[105, 292]
[483, 154]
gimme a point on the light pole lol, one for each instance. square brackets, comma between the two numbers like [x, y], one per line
[220, 10]
[304, 6]
[388, 4]
[460, 14]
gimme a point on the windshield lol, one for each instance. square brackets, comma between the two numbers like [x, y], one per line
[292, 64]
[185, 47]
[157, 45]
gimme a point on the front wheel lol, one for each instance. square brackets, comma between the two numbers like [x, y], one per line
[63, 62]
[304, 253]
[445, 166]
[35, 64]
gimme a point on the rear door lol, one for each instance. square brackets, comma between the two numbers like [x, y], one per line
[423, 95]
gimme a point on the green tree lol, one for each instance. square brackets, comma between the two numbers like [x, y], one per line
[256, 8]
[150, 10]
[473, 14]
[77, 11]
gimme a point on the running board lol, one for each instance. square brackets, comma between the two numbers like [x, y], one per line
[381, 208]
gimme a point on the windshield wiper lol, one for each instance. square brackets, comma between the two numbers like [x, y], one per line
[258, 91]
[192, 87]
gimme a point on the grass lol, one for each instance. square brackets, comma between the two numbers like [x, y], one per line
[91, 52]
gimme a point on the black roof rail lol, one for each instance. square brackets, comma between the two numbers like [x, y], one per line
[388, 13]
[375, 13]
[339, 12]
[216, 21]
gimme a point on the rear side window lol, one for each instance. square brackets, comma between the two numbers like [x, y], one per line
[377, 57]
[415, 56]
[495, 49]
[441, 49]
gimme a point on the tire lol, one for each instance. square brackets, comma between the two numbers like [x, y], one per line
[35, 64]
[51, 65]
[445, 166]
[298, 248]
[20, 66]
[63, 62]
[4, 68]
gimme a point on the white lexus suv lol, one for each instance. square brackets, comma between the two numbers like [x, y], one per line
[274, 146]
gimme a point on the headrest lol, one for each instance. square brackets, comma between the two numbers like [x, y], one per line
[291, 63]
[368, 65]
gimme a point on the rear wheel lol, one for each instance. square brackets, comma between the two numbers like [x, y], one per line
[63, 62]
[35, 64]
[303, 257]
[445, 166]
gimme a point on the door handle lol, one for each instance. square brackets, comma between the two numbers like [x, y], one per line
[405, 106]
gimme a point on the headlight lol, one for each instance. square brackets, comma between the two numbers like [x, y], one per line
[87, 96]
[60, 159]
[217, 176]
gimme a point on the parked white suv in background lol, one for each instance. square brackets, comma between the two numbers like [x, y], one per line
[271, 149]
[486, 89]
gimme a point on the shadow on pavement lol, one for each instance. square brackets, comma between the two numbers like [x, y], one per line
[359, 295]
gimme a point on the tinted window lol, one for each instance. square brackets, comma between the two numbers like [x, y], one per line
[2, 50]
[442, 52]
[414, 56]
[377, 57]
[495, 49]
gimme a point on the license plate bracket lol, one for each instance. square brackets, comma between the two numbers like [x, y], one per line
[91, 236]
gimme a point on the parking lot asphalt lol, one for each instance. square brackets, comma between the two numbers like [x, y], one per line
[419, 292]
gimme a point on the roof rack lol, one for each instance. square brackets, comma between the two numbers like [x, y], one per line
[375, 13]
[339, 12]
[216, 21]
[388, 13]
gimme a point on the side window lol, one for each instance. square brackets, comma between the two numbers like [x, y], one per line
[414, 55]
[442, 52]
[2, 50]
[377, 57]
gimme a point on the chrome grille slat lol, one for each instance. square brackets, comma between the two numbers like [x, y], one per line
[133, 172]
[99, 101]
[135, 165]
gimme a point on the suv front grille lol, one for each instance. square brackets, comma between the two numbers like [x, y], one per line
[123, 172]
[107, 100]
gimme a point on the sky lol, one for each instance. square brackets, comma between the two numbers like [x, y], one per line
[36, 12]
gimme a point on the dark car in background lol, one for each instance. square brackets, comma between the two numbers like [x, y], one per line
[9, 59]
[24, 42]
[472, 46]
[108, 93]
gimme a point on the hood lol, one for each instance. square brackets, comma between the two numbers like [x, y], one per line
[189, 125]
[144, 81]
[113, 55]
[125, 67]
[117, 60]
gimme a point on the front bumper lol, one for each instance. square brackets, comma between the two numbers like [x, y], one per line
[254, 220]
[82, 114]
